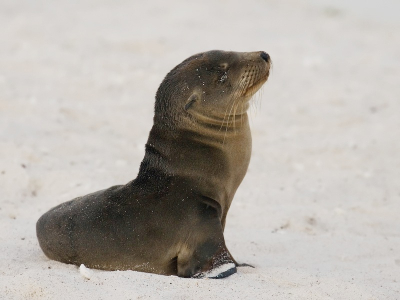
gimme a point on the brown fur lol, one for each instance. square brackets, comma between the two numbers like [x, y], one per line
[170, 219]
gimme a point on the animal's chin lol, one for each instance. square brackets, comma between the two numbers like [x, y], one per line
[251, 90]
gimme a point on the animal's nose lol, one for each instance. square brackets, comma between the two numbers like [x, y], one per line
[264, 56]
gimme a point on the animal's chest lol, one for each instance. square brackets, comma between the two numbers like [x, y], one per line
[238, 155]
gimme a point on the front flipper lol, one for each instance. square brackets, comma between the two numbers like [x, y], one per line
[207, 261]
[242, 264]
[222, 266]
[204, 254]
[219, 272]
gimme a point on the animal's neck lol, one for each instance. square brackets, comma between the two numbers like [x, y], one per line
[214, 157]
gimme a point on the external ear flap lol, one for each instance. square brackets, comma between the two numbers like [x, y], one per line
[192, 99]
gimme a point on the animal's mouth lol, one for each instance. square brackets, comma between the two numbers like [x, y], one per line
[258, 76]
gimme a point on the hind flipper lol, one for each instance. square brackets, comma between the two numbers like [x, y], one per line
[240, 264]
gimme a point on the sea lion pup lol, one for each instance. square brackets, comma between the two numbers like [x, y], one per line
[170, 219]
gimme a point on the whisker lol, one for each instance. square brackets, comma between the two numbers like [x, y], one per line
[236, 99]
[241, 115]
[233, 117]
[234, 96]
[237, 106]
[226, 110]
[227, 123]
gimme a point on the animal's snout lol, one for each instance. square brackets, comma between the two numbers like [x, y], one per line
[265, 56]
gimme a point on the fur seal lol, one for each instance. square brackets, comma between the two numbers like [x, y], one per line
[170, 219]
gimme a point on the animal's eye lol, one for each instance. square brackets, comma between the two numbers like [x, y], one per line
[224, 66]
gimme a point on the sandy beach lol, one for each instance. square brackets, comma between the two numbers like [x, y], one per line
[318, 213]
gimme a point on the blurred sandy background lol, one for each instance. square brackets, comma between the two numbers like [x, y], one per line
[318, 213]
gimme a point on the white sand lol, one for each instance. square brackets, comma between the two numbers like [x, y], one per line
[318, 213]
